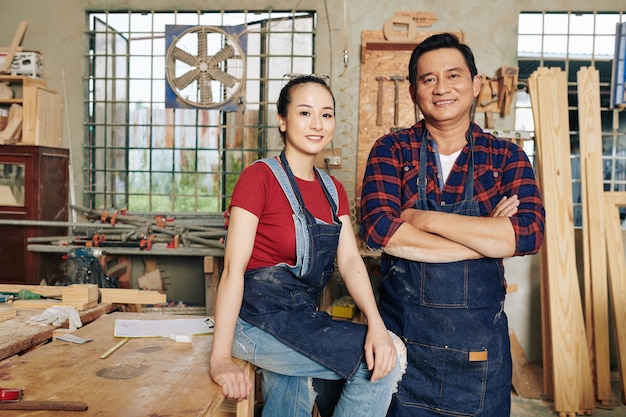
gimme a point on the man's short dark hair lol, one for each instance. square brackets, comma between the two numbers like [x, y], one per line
[439, 41]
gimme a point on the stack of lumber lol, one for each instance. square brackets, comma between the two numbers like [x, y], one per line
[567, 368]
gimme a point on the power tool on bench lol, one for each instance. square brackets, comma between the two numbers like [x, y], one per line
[83, 268]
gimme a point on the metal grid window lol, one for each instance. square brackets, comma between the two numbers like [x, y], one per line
[146, 154]
[569, 41]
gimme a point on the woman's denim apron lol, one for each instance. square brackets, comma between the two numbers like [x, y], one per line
[283, 300]
[451, 318]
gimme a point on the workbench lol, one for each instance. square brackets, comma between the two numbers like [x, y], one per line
[145, 376]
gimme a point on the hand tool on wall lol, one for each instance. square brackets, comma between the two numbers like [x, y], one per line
[379, 102]
[396, 79]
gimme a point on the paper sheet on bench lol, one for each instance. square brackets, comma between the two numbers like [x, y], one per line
[165, 328]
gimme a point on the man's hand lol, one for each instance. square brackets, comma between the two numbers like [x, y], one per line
[231, 378]
[507, 207]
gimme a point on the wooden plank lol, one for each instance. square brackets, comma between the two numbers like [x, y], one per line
[81, 296]
[573, 389]
[131, 296]
[7, 312]
[617, 272]
[594, 241]
[39, 304]
[548, 386]
[45, 290]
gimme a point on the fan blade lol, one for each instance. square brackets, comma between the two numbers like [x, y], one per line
[223, 77]
[202, 44]
[186, 79]
[206, 95]
[215, 72]
[223, 54]
[186, 57]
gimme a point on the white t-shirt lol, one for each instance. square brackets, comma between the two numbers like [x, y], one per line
[446, 163]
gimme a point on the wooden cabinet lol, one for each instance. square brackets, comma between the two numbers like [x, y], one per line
[33, 186]
[41, 111]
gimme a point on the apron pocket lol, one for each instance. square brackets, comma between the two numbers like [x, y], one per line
[444, 285]
[444, 380]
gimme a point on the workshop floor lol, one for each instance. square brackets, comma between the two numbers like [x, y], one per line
[523, 407]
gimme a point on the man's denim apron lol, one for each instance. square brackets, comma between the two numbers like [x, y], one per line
[451, 318]
[283, 300]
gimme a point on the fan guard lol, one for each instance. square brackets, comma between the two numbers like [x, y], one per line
[205, 67]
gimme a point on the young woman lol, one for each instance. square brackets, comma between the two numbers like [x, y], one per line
[288, 224]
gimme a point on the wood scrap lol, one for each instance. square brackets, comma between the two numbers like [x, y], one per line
[151, 281]
[13, 47]
[80, 293]
[13, 129]
[38, 304]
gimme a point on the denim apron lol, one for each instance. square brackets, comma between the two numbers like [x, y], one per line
[451, 319]
[283, 299]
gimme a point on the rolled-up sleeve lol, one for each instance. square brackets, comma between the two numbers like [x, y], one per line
[380, 196]
[529, 221]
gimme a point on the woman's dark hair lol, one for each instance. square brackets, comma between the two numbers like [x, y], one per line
[286, 93]
[440, 41]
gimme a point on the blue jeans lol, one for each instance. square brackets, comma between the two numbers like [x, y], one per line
[287, 386]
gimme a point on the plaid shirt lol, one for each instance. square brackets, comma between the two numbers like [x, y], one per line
[501, 168]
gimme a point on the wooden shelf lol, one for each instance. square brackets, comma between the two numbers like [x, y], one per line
[42, 107]
[369, 46]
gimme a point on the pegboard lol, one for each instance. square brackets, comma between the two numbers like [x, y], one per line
[383, 58]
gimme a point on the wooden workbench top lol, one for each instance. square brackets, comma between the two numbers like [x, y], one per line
[145, 376]
[17, 336]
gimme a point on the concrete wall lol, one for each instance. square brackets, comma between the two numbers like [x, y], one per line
[57, 30]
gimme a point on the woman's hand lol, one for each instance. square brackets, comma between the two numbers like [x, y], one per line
[380, 352]
[231, 378]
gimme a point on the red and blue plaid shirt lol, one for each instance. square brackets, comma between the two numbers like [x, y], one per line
[501, 168]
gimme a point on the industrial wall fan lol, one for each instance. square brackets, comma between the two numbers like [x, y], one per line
[204, 66]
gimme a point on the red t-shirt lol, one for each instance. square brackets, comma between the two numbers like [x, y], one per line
[259, 192]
